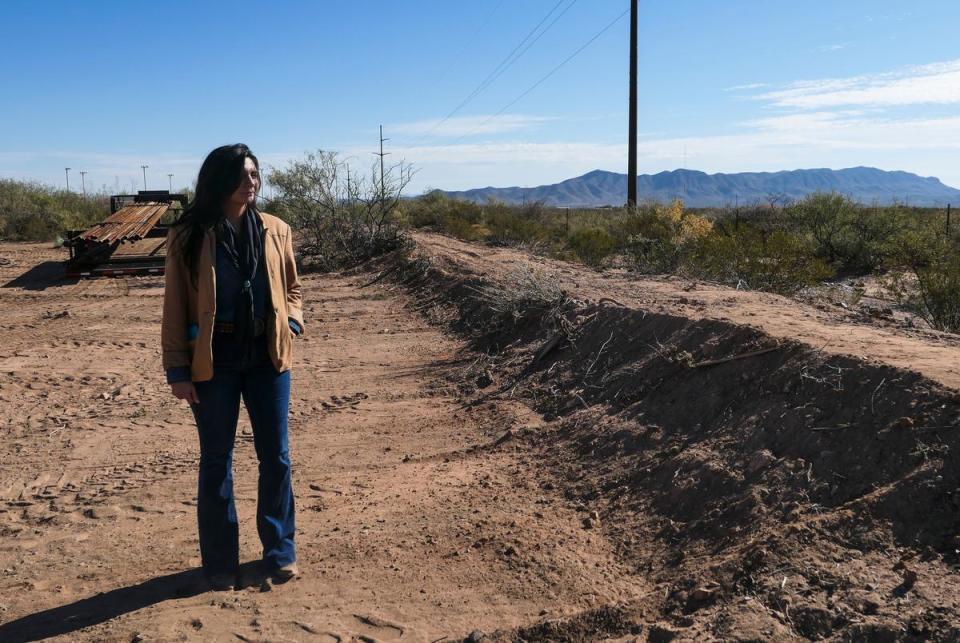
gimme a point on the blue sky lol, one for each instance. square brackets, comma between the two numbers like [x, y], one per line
[725, 86]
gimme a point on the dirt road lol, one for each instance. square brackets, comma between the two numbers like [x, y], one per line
[412, 523]
[647, 459]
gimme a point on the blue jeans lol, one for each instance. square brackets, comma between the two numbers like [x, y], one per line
[266, 394]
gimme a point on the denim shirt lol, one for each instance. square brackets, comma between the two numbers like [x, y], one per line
[229, 285]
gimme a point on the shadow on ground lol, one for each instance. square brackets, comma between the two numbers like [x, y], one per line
[66, 619]
[42, 276]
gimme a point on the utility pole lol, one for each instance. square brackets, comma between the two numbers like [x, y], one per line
[170, 183]
[144, 168]
[83, 182]
[383, 189]
[67, 172]
[948, 219]
[632, 147]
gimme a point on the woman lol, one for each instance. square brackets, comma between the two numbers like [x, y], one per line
[231, 307]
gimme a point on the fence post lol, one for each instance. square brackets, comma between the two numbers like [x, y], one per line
[948, 219]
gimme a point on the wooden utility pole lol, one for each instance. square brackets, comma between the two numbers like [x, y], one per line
[632, 147]
[948, 219]
[83, 182]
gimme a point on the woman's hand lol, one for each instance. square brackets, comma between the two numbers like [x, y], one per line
[185, 391]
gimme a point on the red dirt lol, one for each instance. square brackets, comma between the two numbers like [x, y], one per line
[768, 486]
[618, 488]
[932, 354]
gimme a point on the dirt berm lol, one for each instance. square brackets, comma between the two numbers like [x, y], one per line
[769, 486]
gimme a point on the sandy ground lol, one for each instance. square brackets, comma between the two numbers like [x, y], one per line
[409, 524]
[423, 513]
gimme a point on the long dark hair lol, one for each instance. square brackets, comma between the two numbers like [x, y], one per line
[220, 174]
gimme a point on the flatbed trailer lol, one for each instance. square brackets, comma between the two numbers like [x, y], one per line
[131, 241]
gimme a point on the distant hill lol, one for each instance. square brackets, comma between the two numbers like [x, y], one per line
[698, 189]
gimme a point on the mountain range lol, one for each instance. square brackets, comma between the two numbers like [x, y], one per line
[699, 189]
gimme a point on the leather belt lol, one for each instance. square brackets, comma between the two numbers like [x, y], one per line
[259, 327]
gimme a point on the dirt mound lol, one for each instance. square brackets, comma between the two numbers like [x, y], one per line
[764, 485]
[603, 623]
[833, 328]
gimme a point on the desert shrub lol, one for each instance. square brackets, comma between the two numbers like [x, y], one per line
[525, 297]
[36, 212]
[438, 211]
[929, 283]
[591, 245]
[855, 239]
[462, 228]
[657, 236]
[342, 222]
[752, 258]
[514, 226]
[938, 290]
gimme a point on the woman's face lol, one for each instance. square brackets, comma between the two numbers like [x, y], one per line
[246, 192]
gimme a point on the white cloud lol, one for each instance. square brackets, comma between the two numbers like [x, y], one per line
[816, 139]
[747, 87]
[836, 47]
[938, 83]
[509, 152]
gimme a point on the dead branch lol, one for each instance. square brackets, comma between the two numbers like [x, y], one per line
[724, 360]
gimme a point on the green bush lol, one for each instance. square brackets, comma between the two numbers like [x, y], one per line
[930, 281]
[36, 212]
[592, 245]
[437, 210]
[778, 262]
[658, 237]
[938, 292]
[513, 226]
[853, 238]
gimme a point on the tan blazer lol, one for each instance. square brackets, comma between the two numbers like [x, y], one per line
[184, 304]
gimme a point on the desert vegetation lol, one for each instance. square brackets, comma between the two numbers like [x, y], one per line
[346, 217]
[31, 211]
[777, 247]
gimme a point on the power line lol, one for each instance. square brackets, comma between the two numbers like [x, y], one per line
[545, 76]
[532, 43]
[499, 69]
